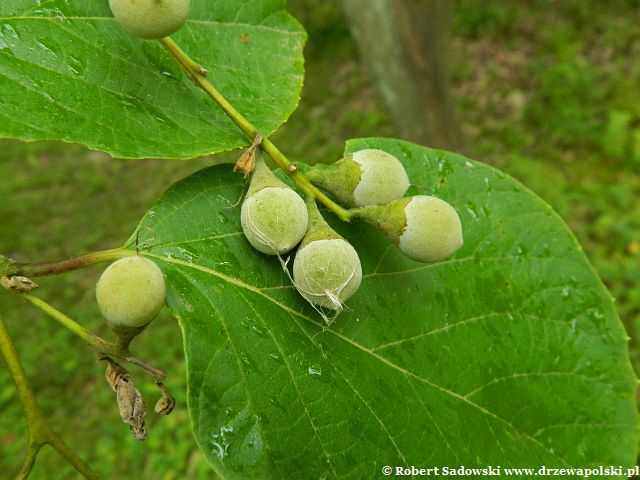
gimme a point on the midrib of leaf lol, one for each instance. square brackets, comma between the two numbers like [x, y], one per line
[248, 394]
[197, 240]
[406, 373]
[293, 380]
[215, 273]
[346, 380]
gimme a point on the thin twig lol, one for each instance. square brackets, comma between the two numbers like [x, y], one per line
[194, 71]
[92, 339]
[39, 431]
[103, 347]
[63, 266]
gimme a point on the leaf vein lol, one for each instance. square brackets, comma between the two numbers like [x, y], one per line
[295, 383]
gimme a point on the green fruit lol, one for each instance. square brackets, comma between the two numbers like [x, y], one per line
[326, 270]
[366, 177]
[425, 228]
[433, 230]
[274, 217]
[150, 18]
[274, 220]
[131, 292]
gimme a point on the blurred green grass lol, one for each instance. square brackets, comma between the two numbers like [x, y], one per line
[547, 90]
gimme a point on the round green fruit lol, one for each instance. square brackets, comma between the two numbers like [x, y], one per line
[366, 177]
[425, 228]
[433, 230]
[327, 272]
[150, 18]
[274, 219]
[383, 179]
[131, 291]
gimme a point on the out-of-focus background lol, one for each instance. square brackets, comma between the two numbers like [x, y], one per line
[548, 91]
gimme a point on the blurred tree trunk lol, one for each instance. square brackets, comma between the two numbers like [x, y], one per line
[404, 44]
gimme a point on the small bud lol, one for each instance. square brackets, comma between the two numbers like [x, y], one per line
[166, 403]
[425, 228]
[273, 216]
[366, 177]
[247, 161]
[18, 284]
[326, 270]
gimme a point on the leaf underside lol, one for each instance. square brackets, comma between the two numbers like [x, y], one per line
[509, 353]
[69, 72]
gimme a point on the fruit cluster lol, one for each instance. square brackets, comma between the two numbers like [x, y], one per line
[275, 219]
[326, 268]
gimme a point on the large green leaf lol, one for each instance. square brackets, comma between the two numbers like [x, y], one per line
[69, 72]
[510, 353]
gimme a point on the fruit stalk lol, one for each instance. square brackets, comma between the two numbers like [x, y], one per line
[103, 347]
[90, 338]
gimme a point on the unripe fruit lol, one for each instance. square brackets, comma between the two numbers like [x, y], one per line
[425, 228]
[326, 270]
[150, 18]
[131, 292]
[366, 177]
[274, 217]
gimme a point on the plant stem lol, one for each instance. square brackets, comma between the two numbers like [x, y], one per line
[29, 459]
[95, 341]
[54, 268]
[102, 346]
[17, 373]
[198, 74]
[39, 431]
